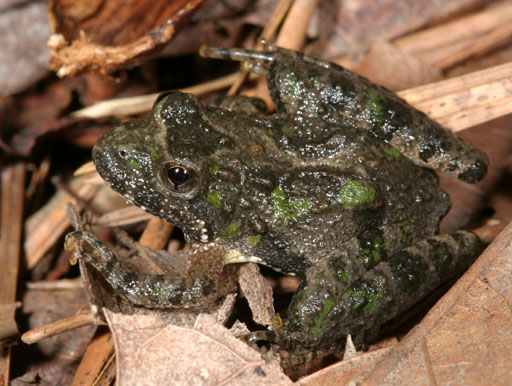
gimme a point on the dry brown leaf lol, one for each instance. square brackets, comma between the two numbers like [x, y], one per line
[106, 35]
[348, 27]
[351, 371]
[466, 337]
[24, 30]
[206, 354]
[495, 139]
[389, 66]
[445, 44]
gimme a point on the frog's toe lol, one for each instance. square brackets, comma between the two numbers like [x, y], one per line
[257, 62]
[257, 336]
[475, 171]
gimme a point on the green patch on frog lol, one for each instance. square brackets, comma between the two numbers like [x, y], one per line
[155, 153]
[337, 268]
[214, 199]
[345, 276]
[354, 194]
[214, 169]
[286, 131]
[291, 87]
[231, 230]
[375, 252]
[359, 297]
[390, 150]
[253, 240]
[287, 209]
[441, 251]
[319, 319]
[374, 104]
[404, 228]
[131, 162]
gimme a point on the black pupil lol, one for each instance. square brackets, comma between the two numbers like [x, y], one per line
[178, 175]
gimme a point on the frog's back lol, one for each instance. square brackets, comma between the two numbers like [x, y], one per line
[315, 186]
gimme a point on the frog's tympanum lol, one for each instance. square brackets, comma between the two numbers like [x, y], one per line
[336, 187]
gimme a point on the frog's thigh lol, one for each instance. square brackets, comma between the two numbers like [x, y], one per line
[382, 293]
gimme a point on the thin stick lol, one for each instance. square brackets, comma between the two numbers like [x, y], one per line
[82, 319]
[122, 107]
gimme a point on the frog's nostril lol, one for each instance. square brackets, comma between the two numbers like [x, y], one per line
[123, 153]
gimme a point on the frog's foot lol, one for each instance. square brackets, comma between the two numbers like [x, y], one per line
[320, 316]
[152, 291]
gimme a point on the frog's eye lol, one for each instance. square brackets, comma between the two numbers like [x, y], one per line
[179, 178]
[178, 175]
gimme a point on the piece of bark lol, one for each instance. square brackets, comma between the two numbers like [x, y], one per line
[12, 187]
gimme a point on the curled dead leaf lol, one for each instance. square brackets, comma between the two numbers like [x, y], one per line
[106, 35]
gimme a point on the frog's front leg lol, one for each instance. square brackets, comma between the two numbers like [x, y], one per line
[154, 291]
[322, 313]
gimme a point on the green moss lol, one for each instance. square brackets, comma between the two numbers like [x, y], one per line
[214, 199]
[231, 230]
[354, 194]
[319, 319]
[253, 240]
[390, 150]
[286, 209]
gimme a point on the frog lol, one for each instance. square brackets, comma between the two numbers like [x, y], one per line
[337, 186]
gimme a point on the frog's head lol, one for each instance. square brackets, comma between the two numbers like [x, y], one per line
[162, 163]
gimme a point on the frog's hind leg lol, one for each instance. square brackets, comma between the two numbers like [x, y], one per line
[381, 294]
